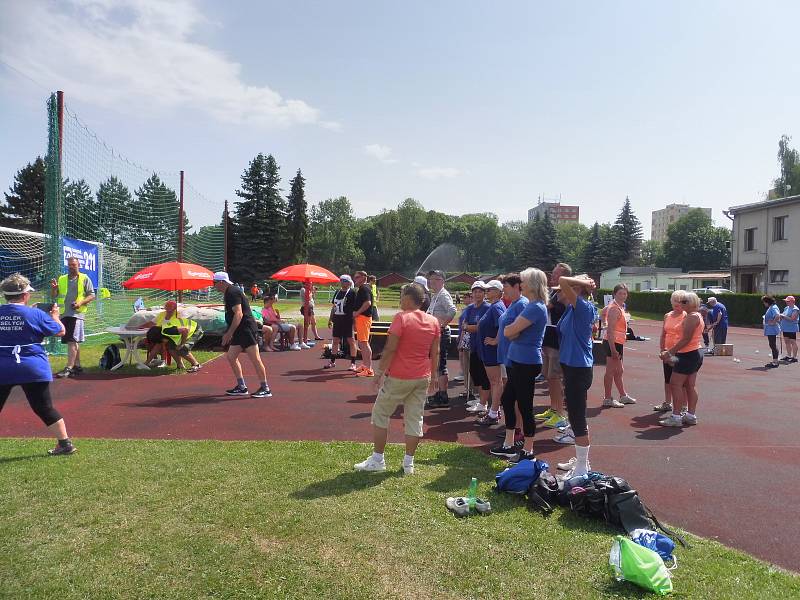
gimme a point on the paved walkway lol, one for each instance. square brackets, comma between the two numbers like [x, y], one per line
[729, 478]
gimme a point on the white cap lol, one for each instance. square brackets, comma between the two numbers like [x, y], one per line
[422, 281]
[478, 284]
[496, 284]
[347, 278]
[222, 276]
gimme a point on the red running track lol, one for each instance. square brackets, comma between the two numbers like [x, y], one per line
[728, 478]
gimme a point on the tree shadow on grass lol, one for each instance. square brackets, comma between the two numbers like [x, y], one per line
[343, 484]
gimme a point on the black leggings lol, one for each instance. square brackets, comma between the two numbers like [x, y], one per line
[577, 381]
[773, 346]
[519, 391]
[38, 395]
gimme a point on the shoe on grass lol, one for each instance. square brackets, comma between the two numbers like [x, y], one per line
[612, 403]
[483, 507]
[239, 390]
[626, 399]
[672, 421]
[408, 469]
[663, 407]
[64, 450]
[370, 465]
[262, 392]
[459, 506]
[544, 416]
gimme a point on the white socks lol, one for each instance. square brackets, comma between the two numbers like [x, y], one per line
[582, 464]
[408, 460]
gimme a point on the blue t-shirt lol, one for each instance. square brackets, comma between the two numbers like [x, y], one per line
[472, 314]
[526, 348]
[487, 327]
[575, 334]
[23, 328]
[771, 314]
[788, 326]
[503, 343]
[718, 308]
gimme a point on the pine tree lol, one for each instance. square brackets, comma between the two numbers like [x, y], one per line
[627, 234]
[549, 253]
[297, 218]
[80, 211]
[155, 216]
[529, 254]
[24, 206]
[592, 258]
[114, 201]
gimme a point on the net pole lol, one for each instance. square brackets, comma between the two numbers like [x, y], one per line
[60, 108]
[225, 235]
[180, 223]
[53, 210]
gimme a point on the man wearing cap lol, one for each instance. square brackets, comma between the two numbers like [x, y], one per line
[240, 336]
[73, 291]
[443, 308]
[718, 320]
[23, 360]
[426, 301]
[477, 372]
[341, 321]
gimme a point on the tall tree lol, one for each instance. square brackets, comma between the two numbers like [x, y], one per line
[695, 244]
[80, 210]
[788, 183]
[572, 238]
[114, 202]
[24, 205]
[541, 245]
[592, 258]
[297, 218]
[627, 236]
[155, 214]
[333, 235]
[652, 252]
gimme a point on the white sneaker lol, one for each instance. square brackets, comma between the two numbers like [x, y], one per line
[473, 402]
[567, 466]
[458, 378]
[626, 399]
[565, 438]
[672, 421]
[408, 469]
[305, 346]
[295, 347]
[689, 419]
[370, 465]
[477, 408]
[611, 403]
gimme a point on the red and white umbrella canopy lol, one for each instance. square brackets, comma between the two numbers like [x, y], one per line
[171, 276]
[306, 272]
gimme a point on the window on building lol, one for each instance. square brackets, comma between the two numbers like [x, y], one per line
[683, 287]
[779, 228]
[671, 287]
[750, 238]
[638, 287]
[779, 276]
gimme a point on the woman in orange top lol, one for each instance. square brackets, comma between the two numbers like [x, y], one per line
[670, 334]
[614, 343]
[686, 360]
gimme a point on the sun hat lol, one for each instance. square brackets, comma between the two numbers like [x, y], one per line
[420, 279]
[496, 284]
[478, 284]
[347, 278]
[222, 276]
[15, 285]
[790, 298]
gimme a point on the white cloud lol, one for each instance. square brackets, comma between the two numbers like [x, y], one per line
[438, 172]
[139, 55]
[382, 153]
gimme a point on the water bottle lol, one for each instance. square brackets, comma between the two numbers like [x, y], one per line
[473, 490]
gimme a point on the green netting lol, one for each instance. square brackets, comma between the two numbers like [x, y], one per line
[131, 212]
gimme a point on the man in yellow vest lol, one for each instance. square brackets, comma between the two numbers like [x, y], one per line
[169, 327]
[73, 293]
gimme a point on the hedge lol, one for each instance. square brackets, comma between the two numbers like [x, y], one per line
[743, 309]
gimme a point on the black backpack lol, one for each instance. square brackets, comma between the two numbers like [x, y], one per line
[110, 357]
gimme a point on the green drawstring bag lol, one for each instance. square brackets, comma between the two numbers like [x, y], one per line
[631, 562]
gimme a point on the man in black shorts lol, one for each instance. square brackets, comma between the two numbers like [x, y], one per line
[341, 321]
[240, 336]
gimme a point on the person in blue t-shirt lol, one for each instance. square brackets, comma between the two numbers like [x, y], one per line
[718, 320]
[23, 360]
[575, 339]
[771, 328]
[487, 348]
[477, 373]
[790, 325]
[525, 356]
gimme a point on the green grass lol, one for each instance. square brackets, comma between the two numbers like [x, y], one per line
[169, 519]
[93, 348]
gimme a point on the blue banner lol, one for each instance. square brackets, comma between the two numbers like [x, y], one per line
[86, 253]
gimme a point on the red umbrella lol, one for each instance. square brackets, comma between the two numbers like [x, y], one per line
[306, 272]
[171, 276]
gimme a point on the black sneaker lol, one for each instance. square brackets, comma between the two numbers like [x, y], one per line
[504, 451]
[519, 443]
[63, 450]
[441, 399]
[262, 392]
[77, 369]
[522, 455]
[239, 390]
[770, 366]
[66, 372]
[793, 360]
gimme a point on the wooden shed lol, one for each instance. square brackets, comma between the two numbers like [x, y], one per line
[391, 279]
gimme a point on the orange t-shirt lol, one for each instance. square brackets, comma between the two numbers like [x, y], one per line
[620, 333]
[417, 331]
[673, 329]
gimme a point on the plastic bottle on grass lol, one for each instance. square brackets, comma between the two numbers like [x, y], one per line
[473, 491]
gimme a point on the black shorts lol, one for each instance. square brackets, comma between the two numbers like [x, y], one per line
[688, 363]
[444, 348]
[342, 326]
[73, 330]
[790, 335]
[607, 348]
[245, 335]
[477, 372]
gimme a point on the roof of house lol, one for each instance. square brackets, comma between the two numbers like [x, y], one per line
[647, 270]
[764, 204]
[703, 275]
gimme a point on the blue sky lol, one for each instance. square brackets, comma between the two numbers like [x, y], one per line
[466, 107]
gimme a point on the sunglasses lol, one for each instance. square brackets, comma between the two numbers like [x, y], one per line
[684, 302]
